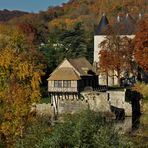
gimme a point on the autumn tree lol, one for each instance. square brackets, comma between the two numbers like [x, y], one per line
[141, 45]
[116, 55]
[19, 83]
[33, 25]
[29, 30]
[141, 57]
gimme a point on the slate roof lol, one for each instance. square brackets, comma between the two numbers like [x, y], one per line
[64, 74]
[82, 66]
[125, 25]
[102, 25]
[130, 25]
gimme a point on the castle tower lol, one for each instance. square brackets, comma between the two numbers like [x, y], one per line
[101, 33]
[100, 36]
[125, 26]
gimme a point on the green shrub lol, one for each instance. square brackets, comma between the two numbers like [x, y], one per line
[35, 134]
[85, 129]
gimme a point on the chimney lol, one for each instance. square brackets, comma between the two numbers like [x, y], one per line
[140, 16]
[118, 19]
[127, 15]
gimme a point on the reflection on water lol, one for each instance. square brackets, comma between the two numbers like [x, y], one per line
[130, 124]
[123, 126]
[135, 122]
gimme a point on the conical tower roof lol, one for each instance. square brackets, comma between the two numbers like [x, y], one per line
[125, 25]
[129, 24]
[102, 25]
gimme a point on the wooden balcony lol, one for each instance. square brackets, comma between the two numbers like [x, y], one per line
[62, 89]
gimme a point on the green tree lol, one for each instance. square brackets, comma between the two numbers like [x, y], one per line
[62, 44]
[74, 42]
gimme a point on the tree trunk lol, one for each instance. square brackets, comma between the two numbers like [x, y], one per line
[118, 76]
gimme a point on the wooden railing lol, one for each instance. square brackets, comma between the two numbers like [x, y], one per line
[62, 89]
[101, 88]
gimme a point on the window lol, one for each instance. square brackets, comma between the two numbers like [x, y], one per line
[57, 83]
[66, 84]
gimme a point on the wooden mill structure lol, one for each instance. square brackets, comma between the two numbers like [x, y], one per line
[70, 78]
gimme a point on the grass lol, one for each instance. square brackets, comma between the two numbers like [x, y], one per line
[115, 88]
[45, 100]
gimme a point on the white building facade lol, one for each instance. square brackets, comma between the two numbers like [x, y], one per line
[100, 37]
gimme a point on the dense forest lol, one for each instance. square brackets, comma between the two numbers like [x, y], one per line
[76, 19]
[68, 14]
[33, 44]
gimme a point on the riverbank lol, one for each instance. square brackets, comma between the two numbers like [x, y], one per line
[140, 135]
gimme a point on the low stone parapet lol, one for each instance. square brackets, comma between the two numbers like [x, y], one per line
[42, 109]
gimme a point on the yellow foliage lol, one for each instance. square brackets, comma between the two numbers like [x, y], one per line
[19, 84]
[63, 23]
[5, 58]
[35, 81]
[141, 88]
[25, 69]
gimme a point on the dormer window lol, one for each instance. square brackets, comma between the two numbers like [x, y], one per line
[85, 69]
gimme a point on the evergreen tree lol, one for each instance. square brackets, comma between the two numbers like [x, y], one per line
[74, 42]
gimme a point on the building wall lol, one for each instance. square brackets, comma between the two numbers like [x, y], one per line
[73, 88]
[97, 40]
[110, 80]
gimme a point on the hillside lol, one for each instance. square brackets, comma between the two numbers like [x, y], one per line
[52, 23]
[6, 15]
[90, 11]
[86, 11]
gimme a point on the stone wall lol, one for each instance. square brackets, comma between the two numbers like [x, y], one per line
[71, 106]
[42, 109]
[92, 100]
[117, 99]
[97, 101]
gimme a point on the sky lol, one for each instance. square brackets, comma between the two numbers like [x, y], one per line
[29, 5]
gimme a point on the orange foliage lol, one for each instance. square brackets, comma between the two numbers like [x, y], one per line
[29, 31]
[116, 55]
[141, 45]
